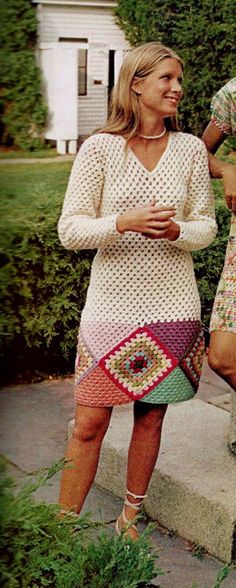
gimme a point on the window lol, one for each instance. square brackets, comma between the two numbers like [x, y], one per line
[72, 40]
[82, 74]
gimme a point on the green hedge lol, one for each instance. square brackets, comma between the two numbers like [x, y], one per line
[22, 105]
[43, 286]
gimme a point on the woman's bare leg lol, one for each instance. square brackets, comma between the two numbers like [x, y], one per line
[143, 453]
[222, 355]
[83, 453]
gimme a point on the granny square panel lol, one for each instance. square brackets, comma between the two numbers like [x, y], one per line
[139, 363]
[191, 364]
[156, 363]
[84, 362]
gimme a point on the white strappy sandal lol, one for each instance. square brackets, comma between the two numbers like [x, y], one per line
[127, 523]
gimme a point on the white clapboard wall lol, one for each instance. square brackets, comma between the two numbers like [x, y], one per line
[65, 27]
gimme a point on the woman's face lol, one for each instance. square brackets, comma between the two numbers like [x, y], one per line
[161, 91]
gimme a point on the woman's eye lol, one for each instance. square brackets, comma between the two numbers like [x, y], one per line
[166, 77]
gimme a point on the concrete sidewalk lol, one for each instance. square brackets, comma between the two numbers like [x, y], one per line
[34, 424]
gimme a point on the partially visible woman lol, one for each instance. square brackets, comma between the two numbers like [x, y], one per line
[222, 349]
[140, 193]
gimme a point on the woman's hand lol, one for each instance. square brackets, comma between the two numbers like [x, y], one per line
[152, 222]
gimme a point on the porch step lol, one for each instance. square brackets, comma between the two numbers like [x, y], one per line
[193, 487]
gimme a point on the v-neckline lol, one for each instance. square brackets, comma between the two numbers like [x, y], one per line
[163, 156]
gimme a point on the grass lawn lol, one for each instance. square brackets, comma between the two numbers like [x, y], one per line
[20, 154]
[27, 188]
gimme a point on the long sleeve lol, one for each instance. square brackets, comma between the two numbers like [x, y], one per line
[198, 227]
[79, 226]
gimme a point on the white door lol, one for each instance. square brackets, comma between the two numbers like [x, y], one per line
[60, 73]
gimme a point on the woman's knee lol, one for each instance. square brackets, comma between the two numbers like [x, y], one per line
[215, 361]
[222, 353]
[91, 424]
[223, 365]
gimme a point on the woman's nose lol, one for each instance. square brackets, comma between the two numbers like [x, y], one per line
[177, 87]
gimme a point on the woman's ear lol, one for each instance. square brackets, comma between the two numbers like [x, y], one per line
[136, 86]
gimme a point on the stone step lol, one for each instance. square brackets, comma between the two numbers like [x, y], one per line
[193, 487]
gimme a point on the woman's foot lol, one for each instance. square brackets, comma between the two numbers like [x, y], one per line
[125, 523]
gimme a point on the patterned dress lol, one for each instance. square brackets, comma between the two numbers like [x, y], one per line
[140, 334]
[224, 310]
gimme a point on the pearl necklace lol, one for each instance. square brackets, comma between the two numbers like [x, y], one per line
[153, 136]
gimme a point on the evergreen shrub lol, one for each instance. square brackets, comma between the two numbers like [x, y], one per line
[22, 107]
[39, 550]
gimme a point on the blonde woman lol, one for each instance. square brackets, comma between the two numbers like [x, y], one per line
[140, 194]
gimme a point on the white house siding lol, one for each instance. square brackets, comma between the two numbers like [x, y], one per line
[97, 25]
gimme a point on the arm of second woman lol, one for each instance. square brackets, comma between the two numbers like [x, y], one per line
[79, 227]
[213, 137]
[198, 227]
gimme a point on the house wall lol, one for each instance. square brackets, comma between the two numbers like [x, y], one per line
[97, 25]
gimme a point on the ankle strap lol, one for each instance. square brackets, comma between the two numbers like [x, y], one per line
[135, 495]
[135, 505]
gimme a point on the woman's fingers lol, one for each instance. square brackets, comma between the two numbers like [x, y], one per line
[156, 225]
[162, 209]
[169, 230]
[140, 219]
[163, 215]
[155, 233]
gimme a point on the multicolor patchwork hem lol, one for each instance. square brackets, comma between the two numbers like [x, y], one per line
[157, 363]
[223, 316]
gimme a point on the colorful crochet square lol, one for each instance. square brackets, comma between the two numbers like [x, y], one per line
[175, 388]
[139, 363]
[191, 364]
[84, 360]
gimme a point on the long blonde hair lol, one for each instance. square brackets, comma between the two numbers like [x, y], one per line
[124, 117]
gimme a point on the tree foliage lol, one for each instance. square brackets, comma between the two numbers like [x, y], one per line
[21, 103]
[203, 32]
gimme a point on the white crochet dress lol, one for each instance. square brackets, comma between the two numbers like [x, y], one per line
[140, 335]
